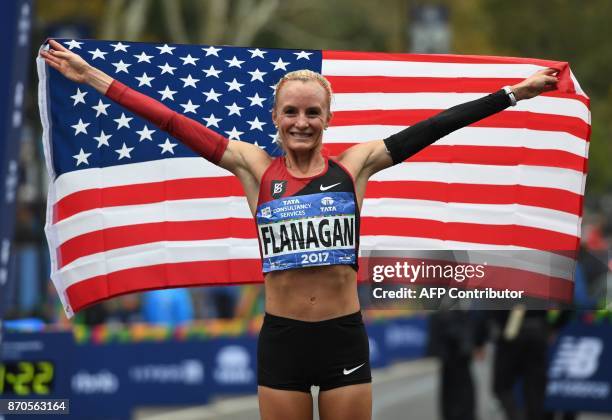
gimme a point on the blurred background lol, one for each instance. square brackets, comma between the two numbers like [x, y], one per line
[564, 30]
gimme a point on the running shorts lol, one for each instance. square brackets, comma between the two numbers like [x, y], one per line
[294, 355]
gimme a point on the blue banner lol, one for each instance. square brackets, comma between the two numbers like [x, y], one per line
[15, 23]
[107, 382]
[580, 371]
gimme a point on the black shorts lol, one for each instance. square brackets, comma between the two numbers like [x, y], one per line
[294, 355]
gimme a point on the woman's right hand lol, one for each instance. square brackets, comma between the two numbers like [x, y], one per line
[69, 64]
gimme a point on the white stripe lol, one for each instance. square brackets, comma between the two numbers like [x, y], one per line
[154, 254]
[468, 136]
[425, 69]
[486, 214]
[441, 101]
[173, 211]
[236, 207]
[136, 173]
[533, 176]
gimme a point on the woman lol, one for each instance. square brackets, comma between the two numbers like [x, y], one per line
[306, 207]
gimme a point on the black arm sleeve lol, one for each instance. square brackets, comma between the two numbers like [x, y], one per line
[409, 141]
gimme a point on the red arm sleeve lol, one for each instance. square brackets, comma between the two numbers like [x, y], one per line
[199, 138]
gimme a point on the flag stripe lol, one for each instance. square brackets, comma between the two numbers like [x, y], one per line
[488, 155]
[387, 84]
[516, 119]
[468, 136]
[543, 106]
[186, 274]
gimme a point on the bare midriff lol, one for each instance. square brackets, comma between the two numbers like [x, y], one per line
[313, 293]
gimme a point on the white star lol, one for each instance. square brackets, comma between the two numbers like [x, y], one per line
[120, 47]
[189, 60]
[167, 93]
[167, 146]
[212, 51]
[144, 80]
[145, 134]
[258, 145]
[233, 134]
[279, 64]
[73, 44]
[189, 107]
[166, 68]
[234, 62]
[234, 85]
[103, 139]
[211, 95]
[256, 100]
[82, 157]
[97, 54]
[257, 53]
[189, 81]
[143, 57]
[212, 121]
[123, 121]
[100, 108]
[124, 152]
[165, 49]
[80, 127]
[121, 66]
[256, 124]
[234, 109]
[257, 75]
[78, 97]
[303, 54]
[212, 72]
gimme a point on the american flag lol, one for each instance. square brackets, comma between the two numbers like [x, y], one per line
[130, 208]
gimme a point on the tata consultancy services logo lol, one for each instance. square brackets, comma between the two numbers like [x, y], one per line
[233, 366]
[577, 357]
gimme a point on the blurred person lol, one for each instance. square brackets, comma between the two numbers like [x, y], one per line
[521, 356]
[167, 306]
[457, 337]
[313, 332]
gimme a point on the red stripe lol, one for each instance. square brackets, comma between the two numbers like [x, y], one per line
[153, 192]
[514, 119]
[389, 84]
[197, 273]
[488, 155]
[549, 198]
[132, 235]
[498, 278]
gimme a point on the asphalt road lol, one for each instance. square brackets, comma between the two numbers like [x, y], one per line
[400, 392]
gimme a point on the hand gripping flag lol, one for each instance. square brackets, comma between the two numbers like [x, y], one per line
[130, 208]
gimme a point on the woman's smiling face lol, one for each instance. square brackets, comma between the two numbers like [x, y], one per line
[301, 114]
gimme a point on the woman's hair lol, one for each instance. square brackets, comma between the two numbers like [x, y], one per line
[305, 75]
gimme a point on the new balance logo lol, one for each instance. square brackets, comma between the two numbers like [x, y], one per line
[576, 357]
[349, 371]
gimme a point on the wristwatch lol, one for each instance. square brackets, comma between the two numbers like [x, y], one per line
[510, 94]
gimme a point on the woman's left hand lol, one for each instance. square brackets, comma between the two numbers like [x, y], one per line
[542, 81]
